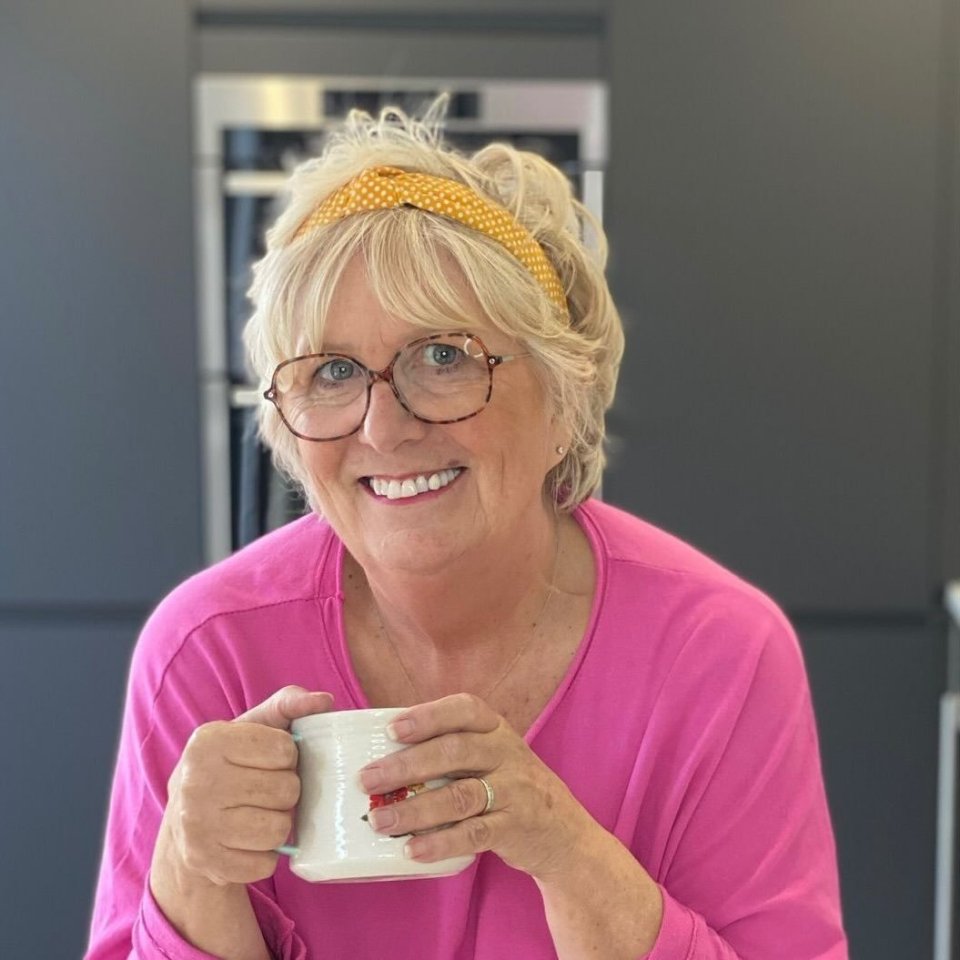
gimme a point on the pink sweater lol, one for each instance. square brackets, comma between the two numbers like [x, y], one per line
[684, 726]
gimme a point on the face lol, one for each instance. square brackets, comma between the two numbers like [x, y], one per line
[501, 456]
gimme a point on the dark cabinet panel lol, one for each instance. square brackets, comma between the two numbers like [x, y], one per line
[406, 10]
[99, 483]
[772, 202]
[444, 50]
[876, 689]
[61, 694]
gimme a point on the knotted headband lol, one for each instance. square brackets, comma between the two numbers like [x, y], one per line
[385, 188]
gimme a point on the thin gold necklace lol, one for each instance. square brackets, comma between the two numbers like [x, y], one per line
[551, 589]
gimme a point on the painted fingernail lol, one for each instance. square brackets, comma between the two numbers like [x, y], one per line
[400, 729]
[371, 777]
[383, 818]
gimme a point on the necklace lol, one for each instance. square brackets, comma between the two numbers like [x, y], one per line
[551, 589]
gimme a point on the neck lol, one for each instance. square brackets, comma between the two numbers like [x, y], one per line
[480, 607]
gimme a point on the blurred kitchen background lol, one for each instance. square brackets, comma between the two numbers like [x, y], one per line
[781, 187]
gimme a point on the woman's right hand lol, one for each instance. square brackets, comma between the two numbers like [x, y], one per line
[231, 797]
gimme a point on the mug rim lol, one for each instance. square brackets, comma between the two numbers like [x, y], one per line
[335, 718]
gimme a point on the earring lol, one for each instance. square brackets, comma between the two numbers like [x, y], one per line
[560, 449]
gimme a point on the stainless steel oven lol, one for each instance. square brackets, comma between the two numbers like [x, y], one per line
[250, 132]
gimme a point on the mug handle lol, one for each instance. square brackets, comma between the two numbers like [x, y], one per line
[287, 849]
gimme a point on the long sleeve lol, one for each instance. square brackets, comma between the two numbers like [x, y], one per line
[175, 684]
[749, 868]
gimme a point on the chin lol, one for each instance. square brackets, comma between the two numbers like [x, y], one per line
[418, 551]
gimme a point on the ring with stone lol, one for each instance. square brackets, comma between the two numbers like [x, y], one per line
[490, 796]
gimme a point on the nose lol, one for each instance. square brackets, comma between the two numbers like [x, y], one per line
[388, 423]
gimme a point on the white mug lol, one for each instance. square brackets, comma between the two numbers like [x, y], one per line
[334, 840]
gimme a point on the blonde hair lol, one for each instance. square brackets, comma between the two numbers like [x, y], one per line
[405, 253]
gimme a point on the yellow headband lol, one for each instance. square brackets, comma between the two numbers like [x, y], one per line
[384, 188]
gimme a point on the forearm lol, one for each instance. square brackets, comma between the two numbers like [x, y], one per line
[217, 919]
[602, 903]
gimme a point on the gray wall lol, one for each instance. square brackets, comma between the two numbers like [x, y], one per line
[782, 211]
[99, 478]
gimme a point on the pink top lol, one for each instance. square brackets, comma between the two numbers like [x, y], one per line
[684, 726]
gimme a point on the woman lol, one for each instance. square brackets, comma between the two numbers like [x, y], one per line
[628, 725]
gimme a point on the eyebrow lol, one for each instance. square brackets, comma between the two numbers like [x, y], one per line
[327, 348]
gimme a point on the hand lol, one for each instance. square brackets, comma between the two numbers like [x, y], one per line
[535, 823]
[231, 796]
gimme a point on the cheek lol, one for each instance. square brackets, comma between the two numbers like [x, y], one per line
[518, 458]
[322, 467]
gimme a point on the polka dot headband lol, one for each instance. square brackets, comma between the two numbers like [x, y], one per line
[385, 188]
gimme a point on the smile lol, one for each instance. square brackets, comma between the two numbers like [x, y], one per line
[413, 486]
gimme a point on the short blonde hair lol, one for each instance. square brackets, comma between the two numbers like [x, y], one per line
[405, 251]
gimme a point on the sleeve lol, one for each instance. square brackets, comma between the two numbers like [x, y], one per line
[174, 686]
[748, 865]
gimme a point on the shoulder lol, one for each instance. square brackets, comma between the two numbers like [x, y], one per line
[291, 564]
[690, 602]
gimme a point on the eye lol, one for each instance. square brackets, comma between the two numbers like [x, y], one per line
[442, 355]
[336, 371]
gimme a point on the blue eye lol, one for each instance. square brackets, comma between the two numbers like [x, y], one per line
[442, 354]
[337, 370]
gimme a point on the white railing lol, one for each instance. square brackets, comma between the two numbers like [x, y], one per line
[944, 921]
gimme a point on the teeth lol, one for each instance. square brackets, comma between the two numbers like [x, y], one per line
[400, 489]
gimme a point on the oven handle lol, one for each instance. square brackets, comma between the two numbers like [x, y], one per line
[944, 920]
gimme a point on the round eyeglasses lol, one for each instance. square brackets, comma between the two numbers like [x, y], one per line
[443, 378]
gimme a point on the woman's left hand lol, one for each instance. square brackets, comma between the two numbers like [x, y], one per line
[535, 823]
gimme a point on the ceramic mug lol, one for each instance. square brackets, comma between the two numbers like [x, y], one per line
[334, 840]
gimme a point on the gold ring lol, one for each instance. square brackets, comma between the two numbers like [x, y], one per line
[490, 796]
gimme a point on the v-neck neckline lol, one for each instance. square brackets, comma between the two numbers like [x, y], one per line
[587, 524]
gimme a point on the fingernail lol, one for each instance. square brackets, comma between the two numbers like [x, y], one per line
[399, 729]
[407, 851]
[383, 818]
[371, 777]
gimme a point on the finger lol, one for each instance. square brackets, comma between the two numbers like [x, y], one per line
[462, 839]
[453, 755]
[460, 711]
[253, 829]
[268, 789]
[287, 704]
[244, 745]
[456, 801]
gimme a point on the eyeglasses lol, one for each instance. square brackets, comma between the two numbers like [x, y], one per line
[444, 378]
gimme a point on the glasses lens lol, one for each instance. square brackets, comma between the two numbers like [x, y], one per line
[322, 397]
[443, 378]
